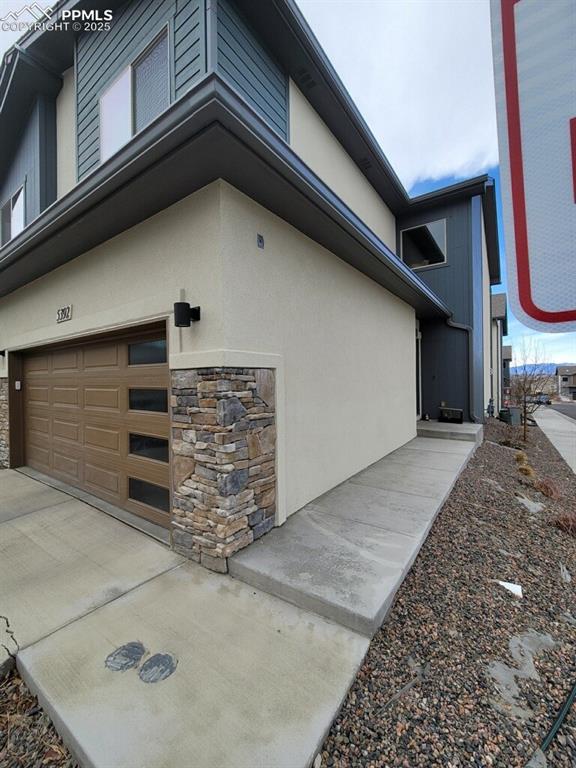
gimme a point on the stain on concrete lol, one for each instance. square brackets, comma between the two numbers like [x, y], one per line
[125, 657]
[158, 667]
[523, 648]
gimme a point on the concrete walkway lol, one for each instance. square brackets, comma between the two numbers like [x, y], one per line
[561, 431]
[144, 660]
[345, 555]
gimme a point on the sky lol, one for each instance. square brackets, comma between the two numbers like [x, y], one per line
[420, 71]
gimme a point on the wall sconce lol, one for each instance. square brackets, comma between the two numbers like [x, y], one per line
[185, 315]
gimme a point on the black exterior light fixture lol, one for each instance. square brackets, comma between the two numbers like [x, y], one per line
[185, 315]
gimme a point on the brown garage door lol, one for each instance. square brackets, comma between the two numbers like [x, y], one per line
[96, 416]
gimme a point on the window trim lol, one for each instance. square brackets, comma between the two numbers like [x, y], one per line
[165, 30]
[8, 201]
[444, 263]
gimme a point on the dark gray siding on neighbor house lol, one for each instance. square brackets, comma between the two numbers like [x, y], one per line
[100, 57]
[249, 68]
[34, 162]
[446, 352]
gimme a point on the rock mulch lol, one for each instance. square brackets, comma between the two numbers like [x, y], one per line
[27, 737]
[426, 694]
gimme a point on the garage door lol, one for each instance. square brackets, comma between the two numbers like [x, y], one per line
[96, 416]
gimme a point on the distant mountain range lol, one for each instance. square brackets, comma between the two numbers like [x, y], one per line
[549, 368]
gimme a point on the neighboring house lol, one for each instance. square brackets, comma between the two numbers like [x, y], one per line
[499, 329]
[506, 362]
[207, 153]
[506, 383]
[566, 377]
[449, 238]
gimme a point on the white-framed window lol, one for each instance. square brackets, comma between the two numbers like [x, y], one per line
[13, 216]
[424, 245]
[135, 97]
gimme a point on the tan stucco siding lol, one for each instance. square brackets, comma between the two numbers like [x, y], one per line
[134, 277]
[66, 134]
[313, 141]
[346, 344]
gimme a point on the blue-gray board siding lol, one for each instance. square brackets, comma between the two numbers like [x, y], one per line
[445, 353]
[25, 167]
[249, 68]
[100, 57]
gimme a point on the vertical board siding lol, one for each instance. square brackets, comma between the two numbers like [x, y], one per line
[25, 168]
[100, 57]
[249, 68]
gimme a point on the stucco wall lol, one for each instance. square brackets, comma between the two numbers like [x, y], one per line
[313, 141]
[134, 277]
[347, 347]
[66, 134]
[497, 364]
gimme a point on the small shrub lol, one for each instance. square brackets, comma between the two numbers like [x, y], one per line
[566, 522]
[521, 457]
[547, 488]
[526, 469]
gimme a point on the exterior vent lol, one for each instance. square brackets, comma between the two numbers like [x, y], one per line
[305, 80]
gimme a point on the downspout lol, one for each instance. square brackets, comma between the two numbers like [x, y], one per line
[469, 331]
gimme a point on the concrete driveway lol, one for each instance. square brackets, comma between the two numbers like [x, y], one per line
[143, 660]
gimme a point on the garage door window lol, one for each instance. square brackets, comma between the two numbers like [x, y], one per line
[149, 447]
[148, 400]
[148, 493]
[147, 352]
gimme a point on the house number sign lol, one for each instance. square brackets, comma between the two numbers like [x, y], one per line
[64, 313]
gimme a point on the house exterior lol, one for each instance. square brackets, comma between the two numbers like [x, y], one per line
[206, 153]
[566, 378]
[506, 363]
[460, 223]
[499, 329]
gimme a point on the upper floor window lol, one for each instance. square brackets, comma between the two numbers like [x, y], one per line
[138, 95]
[12, 222]
[424, 245]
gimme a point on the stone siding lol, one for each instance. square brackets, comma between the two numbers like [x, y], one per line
[4, 446]
[224, 461]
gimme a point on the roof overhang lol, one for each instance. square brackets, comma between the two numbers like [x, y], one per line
[208, 134]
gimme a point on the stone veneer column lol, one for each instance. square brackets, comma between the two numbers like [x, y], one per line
[4, 445]
[224, 461]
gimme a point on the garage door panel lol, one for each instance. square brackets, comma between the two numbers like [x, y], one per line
[101, 356]
[38, 457]
[66, 361]
[66, 430]
[102, 480]
[65, 397]
[102, 397]
[38, 394]
[99, 437]
[78, 421]
[65, 465]
[36, 364]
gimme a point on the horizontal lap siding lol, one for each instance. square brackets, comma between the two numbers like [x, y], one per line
[25, 168]
[249, 68]
[102, 56]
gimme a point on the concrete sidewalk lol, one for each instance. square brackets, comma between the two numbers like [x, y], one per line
[345, 555]
[216, 673]
[561, 431]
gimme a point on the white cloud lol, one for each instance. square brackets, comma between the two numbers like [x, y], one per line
[420, 71]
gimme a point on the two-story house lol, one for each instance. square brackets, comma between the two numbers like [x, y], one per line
[217, 301]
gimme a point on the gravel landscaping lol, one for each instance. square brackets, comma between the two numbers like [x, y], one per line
[463, 673]
[27, 737]
[426, 694]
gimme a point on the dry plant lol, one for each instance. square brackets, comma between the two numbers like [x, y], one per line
[530, 380]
